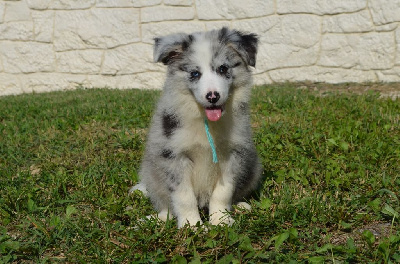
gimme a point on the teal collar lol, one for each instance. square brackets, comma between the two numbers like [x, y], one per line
[210, 141]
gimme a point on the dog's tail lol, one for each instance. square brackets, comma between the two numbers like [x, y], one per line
[141, 187]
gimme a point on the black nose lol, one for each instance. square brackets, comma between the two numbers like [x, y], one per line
[213, 97]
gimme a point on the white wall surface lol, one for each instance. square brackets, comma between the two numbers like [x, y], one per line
[48, 45]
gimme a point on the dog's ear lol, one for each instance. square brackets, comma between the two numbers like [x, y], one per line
[170, 48]
[245, 44]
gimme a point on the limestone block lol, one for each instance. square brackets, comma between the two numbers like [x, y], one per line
[163, 13]
[297, 30]
[2, 9]
[43, 24]
[96, 28]
[273, 56]
[385, 11]
[60, 4]
[397, 62]
[129, 59]
[178, 2]
[339, 51]
[9, 84]
[47, 82]
[259, 26]
[101, 81]
[285, 41]
[233, 9]
[321, 74]
[17, 11]
[145, 80]
[38, 4]
[392, 75]
[18, 30]
[27, 57]
[377, 50]
[79, 61]
[348, 23]
[320, 7]
[365, 51]
[127, 3]
[386, 27]
[152, 30]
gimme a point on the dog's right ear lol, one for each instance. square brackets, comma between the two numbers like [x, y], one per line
[170, 48]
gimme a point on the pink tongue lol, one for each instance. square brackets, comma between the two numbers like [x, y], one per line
[214, 114]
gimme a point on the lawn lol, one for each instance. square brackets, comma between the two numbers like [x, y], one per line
[330, 195]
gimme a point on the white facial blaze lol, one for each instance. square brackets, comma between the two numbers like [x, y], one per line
[210, 81]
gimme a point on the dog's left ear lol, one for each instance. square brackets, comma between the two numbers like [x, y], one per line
[169, 48]
[245, 44]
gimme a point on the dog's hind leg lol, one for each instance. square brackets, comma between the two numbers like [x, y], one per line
[164, 214]
[244, 206]
[141, 187]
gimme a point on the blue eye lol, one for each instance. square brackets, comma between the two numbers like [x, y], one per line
[195, 75]
[223, 69]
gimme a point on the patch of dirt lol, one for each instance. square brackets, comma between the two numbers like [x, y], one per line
[378, 229]
[385, 90]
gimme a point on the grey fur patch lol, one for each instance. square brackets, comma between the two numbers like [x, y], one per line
[170, 122]
[247, 166]
[173, 180]
[222, 34]
[243, 107]
[167, 154]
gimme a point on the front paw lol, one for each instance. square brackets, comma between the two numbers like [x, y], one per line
[219, 218]
[243, 206]
[193, 221]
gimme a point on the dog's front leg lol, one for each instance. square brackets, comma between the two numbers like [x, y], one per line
[183, 199]
[220, 202]
[185, 204]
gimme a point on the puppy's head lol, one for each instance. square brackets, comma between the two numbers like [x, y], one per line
[211, 64]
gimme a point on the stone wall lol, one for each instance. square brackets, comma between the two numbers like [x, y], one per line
[60, 44]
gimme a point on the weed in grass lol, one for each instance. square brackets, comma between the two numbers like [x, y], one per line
[331, 190]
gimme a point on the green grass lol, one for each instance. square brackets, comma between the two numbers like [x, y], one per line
[331, 168]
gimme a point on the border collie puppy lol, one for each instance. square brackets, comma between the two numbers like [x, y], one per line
[200, 151]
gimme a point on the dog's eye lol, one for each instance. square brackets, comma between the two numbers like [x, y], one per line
[223, 69]
[194, 75]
